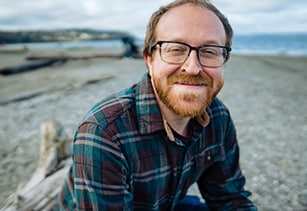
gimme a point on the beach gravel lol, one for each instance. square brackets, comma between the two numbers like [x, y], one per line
[267, 97]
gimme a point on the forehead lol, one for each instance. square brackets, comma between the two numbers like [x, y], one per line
[192, 24]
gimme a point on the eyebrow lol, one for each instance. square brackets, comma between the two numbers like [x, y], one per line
[208, 42]
[212, 42]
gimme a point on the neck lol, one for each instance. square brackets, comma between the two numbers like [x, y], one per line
[177, 123]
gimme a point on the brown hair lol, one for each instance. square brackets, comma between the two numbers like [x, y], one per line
[155, 18]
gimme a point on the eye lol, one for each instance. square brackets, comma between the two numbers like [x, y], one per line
[175, 49]
[209, 52]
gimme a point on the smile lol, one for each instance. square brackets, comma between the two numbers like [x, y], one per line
[191, 84]
[189, 81]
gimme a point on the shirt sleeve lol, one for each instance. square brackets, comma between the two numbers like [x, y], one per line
[100, 171]
[222, 184]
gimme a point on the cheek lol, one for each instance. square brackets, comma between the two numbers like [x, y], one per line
[162, 70]
[216, 74]
[156, 67]
[220, 75]
[218, 81]
[150, 63]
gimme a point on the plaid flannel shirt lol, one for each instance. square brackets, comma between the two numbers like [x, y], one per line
[123, 158]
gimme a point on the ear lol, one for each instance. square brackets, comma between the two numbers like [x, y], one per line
[149, 61]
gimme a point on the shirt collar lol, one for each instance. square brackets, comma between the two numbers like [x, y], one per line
[149, 114]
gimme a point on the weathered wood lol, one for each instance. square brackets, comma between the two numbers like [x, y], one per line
[40, 192]
[131, 51]
[72, 57]
[10, 49]
[30, 66]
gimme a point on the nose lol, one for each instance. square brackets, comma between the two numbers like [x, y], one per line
[192, 65]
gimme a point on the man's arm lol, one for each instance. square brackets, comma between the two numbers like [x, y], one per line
[222, 185]
[100, 171]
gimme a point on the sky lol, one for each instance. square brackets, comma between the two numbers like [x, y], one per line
[246, 17]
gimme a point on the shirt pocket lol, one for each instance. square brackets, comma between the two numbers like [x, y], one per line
[207, 156]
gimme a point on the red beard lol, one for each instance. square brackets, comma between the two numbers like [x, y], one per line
[186, 104]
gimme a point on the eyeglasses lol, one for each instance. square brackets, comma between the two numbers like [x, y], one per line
[178, 53]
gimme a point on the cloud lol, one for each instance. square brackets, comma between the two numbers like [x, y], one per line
[245, 16]
[91, 8]
[271, 16]
[243, 6]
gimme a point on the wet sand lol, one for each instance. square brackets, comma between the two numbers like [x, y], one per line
[267, 97]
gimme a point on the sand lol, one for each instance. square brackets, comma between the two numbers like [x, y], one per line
[266, 95]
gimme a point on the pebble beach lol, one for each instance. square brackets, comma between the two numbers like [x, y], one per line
[267, 97]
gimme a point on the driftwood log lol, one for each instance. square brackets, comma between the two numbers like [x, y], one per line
[40, 192]
[42, 61]
[30, 66]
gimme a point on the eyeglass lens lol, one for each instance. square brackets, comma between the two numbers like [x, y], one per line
[177, 53]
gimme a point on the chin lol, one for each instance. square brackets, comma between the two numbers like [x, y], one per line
[187, 105]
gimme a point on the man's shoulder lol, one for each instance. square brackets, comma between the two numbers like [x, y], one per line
[217, 106]
[111, 108]
[218, 112]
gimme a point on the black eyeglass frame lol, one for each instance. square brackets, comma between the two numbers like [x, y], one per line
[226, 56]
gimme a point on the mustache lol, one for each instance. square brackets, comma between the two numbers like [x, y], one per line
[190, 79]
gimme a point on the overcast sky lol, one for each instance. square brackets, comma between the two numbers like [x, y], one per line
[261, 16]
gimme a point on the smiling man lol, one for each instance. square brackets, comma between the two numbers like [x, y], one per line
[143, 147]
[186, 78]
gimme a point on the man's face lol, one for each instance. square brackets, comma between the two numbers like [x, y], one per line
[187, 88]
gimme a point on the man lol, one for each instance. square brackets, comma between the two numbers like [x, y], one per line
[142, 148]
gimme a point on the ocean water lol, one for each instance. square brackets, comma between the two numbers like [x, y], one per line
[271, 44]
[258, 44]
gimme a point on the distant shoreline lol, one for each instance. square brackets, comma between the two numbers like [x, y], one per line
[293, 44]
[31, 36]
